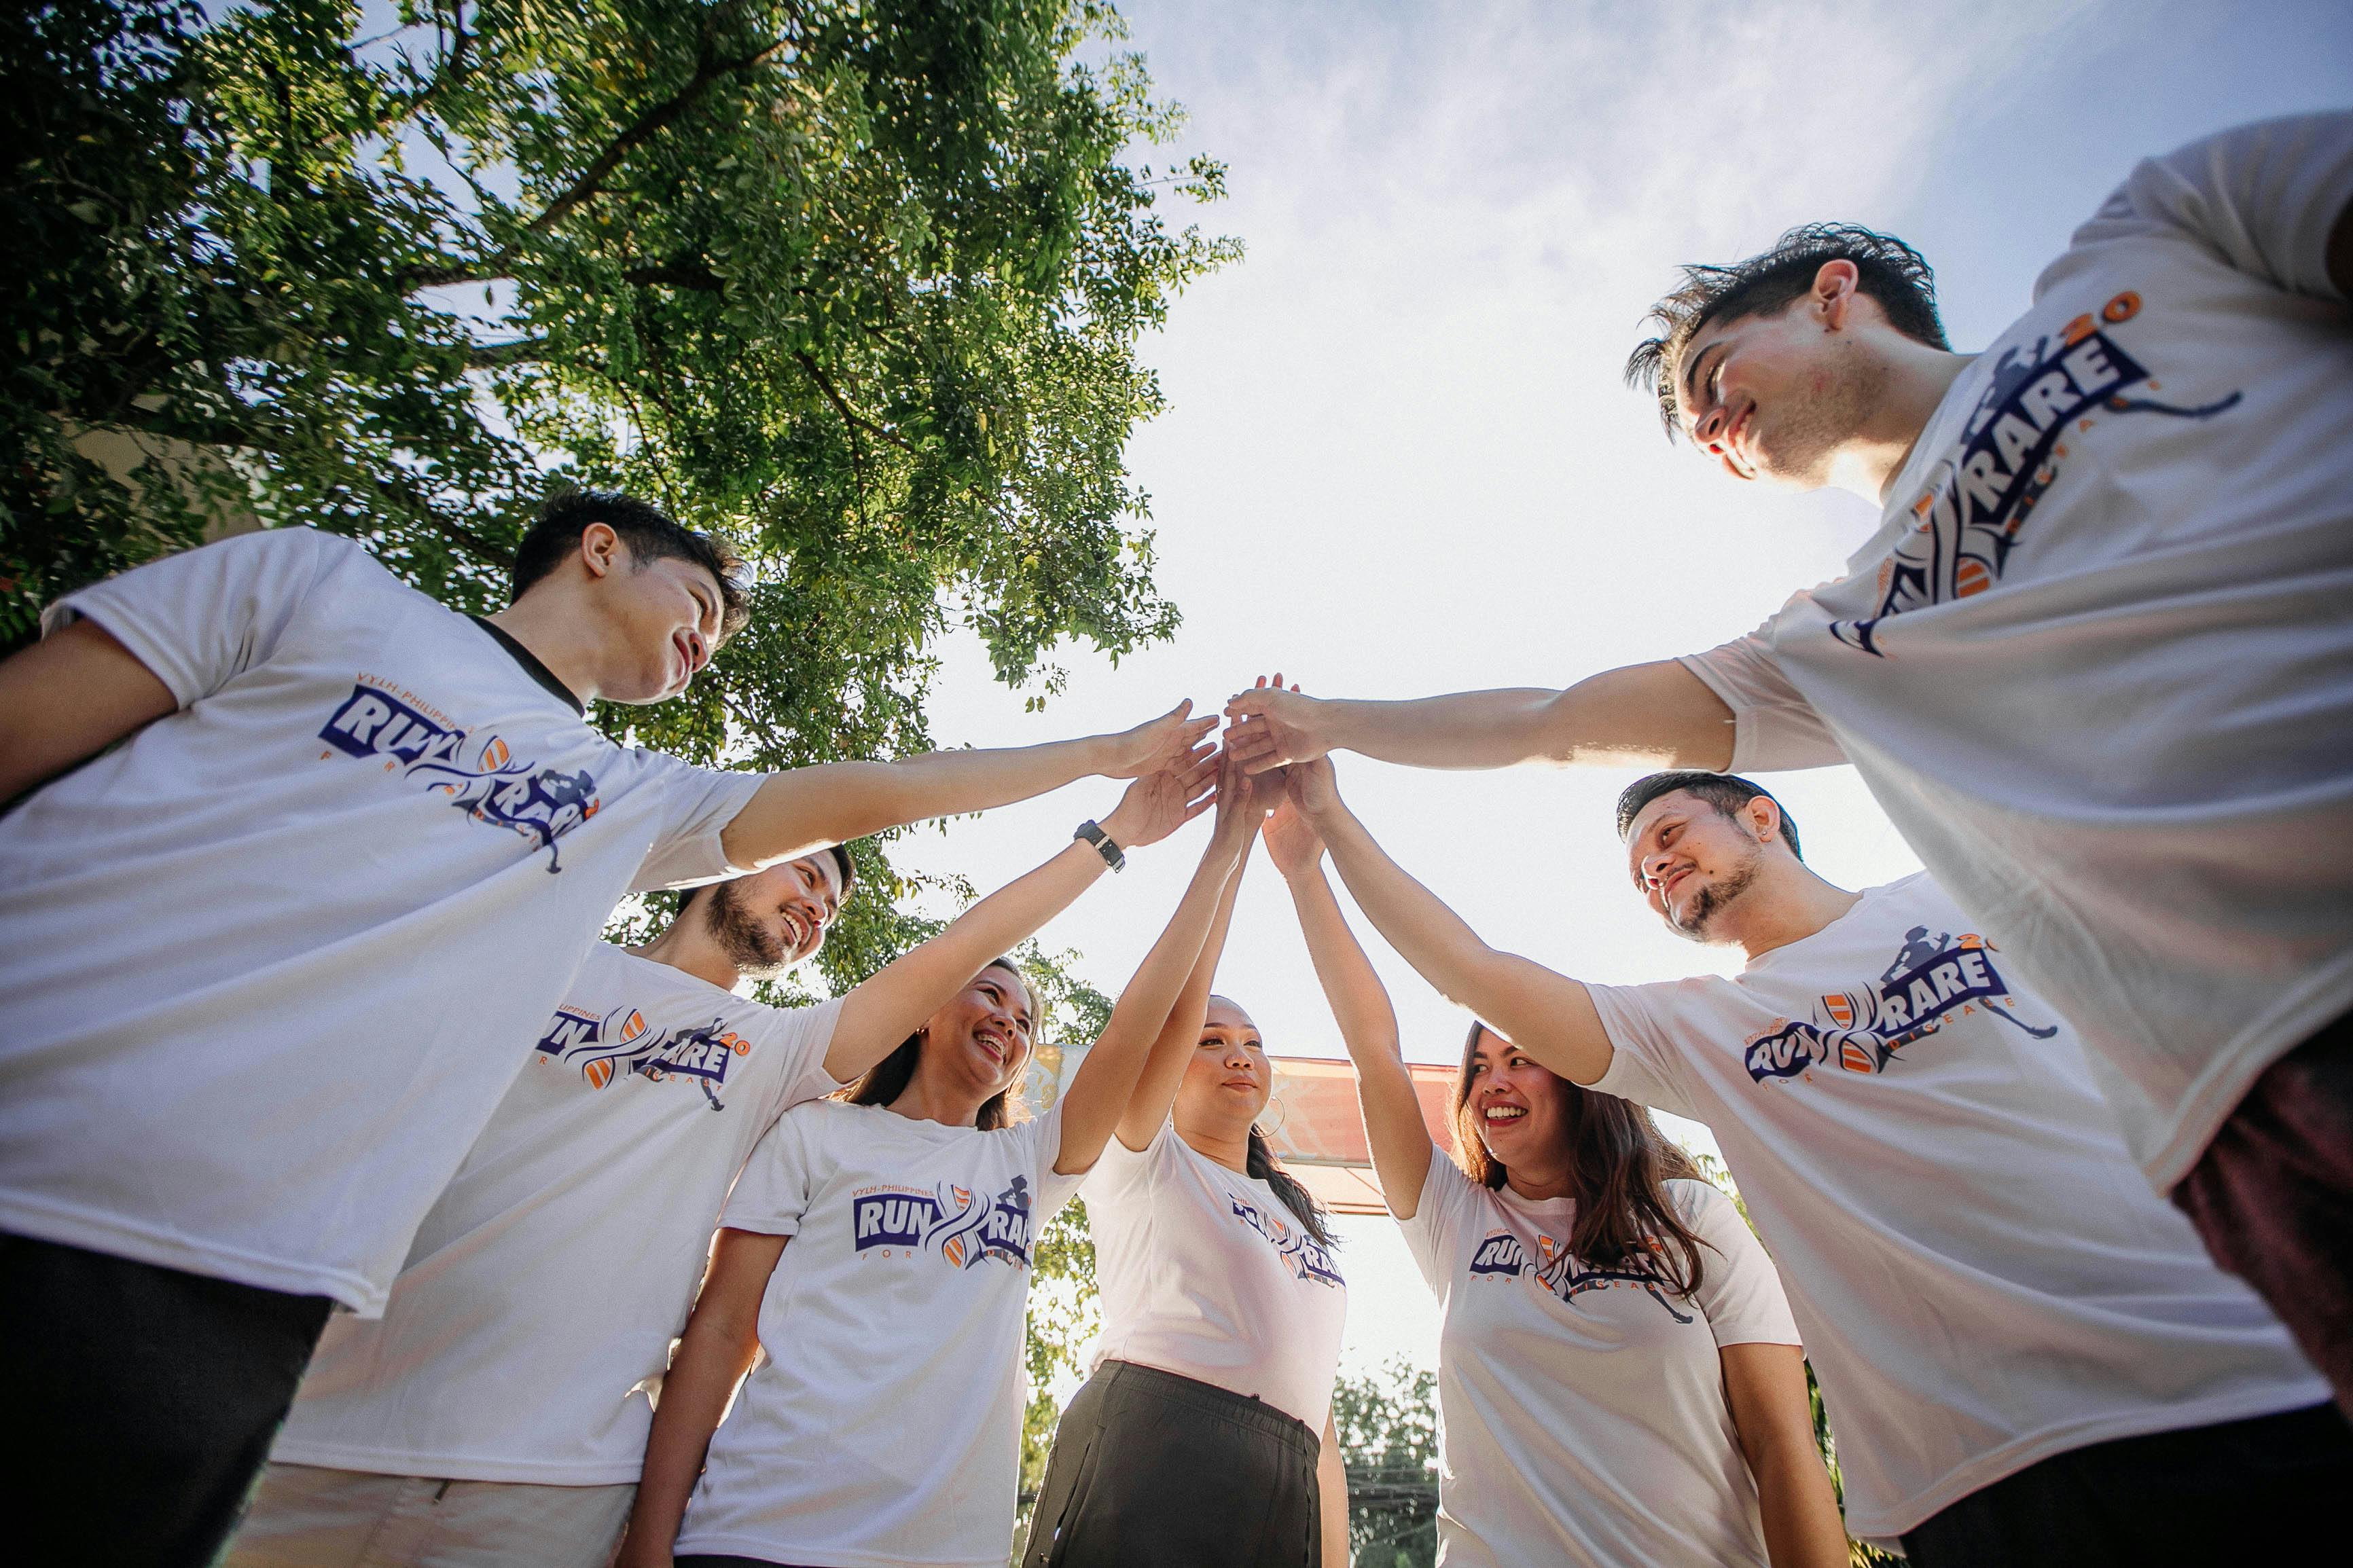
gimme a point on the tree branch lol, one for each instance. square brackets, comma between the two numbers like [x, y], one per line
[849, 420]
[643, 129]
[400, 494]
[496, 356]
[417, 507]
[849, 415]
[687, 272]
[455, 66]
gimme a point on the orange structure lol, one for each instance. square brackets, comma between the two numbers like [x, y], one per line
[1313, 1123]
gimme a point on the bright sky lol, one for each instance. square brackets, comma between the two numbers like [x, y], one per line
[1401, 460]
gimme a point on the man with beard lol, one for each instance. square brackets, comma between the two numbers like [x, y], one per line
[492, 1407]
[2095, 662]
[492, 1415]
[2025, 1353]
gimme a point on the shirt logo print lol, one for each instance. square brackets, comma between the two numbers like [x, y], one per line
[1502, 1257]
[542, 805]
[1301, 1254]
[619, 1044]
[1967, 519]
[1930, 981]
[949, 1221]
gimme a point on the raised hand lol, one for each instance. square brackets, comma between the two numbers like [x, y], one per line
[1175, 736]
[1292, 841]
[1243, 802]
[1272, 727]
[1166, 799]
[1313, 787]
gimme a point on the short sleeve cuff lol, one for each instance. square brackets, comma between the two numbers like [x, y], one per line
[1434, 1192]
[818, 1029]
[94, 605]
[699, 856]
[758, 1223]
[1633, 1074]
[1054, 1188]
[1118, 1164]
[1744, 715]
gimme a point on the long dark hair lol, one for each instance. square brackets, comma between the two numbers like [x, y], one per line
[1618, 1167]
[1296, 1198]
[886, 1079]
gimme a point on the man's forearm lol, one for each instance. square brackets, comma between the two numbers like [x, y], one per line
[947, 783]
[1460, 729]
[833, 803]
[1649, 714]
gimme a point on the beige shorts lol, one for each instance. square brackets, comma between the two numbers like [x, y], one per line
[305, 1516]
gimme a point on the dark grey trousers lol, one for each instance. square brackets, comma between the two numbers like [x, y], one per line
[2270, 1489]
[1153, 1471]
[139, 1403]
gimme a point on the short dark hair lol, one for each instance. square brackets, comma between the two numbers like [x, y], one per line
[841, 861]
[1889, 270]
[1726, 792]
[650, 533]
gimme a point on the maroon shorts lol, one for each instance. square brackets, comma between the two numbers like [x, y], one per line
[2273, 1197]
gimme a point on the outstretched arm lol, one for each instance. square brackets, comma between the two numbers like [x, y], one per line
[68, 698]
[1651, 714]
[1360, 1004]
[1172, 1052]
[721, 1337]
[1546, 1014]
[1098, 1095]
[893, 1003]
[804, 809]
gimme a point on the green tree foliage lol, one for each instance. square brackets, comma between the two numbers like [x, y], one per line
[856, 282]
[1387, 1423]
[1064, 1315]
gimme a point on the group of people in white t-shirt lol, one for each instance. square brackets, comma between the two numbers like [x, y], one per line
[303, 876]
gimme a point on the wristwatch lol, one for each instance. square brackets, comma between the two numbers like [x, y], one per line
[1104, 846]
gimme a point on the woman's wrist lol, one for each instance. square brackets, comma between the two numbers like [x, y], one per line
[1120, 830]
[1306, 875]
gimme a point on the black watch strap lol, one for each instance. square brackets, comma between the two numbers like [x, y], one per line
[1095, 836]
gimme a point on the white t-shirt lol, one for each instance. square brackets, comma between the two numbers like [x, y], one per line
[2097, 662]
[1581, 1411]
[546, 1285]
[885, 1426]
[270, 964]
[1983, 1279]
[1204, 1273]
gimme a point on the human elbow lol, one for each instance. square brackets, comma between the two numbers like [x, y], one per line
[1476, 980]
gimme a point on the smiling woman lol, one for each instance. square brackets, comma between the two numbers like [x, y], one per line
[1519, 1124]
[878, 1248]
[991, 1019]
[1619, 1374]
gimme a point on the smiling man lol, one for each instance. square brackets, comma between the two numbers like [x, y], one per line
[2095, 663]
[2026, 1355]
[496, 1412]
[360, 844]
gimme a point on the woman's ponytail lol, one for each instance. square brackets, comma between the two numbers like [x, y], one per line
[1295, 1197]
